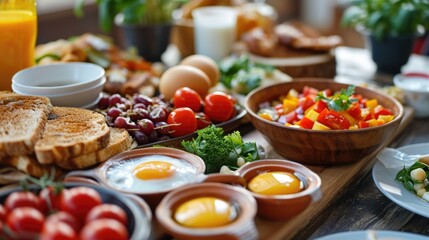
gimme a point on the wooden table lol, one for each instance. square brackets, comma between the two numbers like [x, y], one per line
[356, 204]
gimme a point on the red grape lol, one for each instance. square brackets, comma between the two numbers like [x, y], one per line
[146, 126]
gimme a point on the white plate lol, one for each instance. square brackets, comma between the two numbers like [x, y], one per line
[374, 235]
[384, 178]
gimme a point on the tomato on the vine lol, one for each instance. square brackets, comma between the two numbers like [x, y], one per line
[57, 231]
[182, 121]
[3, 213]
[219, 106]
[79, 201]
[104, 229]
[50, 198]
[24, 222]
[109, 211]
[186, 97]
[23, 199]
[66, 218]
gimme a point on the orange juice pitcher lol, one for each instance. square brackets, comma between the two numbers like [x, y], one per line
[18, 30]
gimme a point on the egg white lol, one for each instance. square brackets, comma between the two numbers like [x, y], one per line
[121, 175]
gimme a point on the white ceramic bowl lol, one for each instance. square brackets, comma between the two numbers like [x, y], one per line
[58, 79]
[84, 98]
[416, 90]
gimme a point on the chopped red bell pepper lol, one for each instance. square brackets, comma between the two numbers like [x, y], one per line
[319, 106]
[381, 111]
[306, 102]
[363, 124]
[333, 120]
[306, 91]
[306, 123]
[355, 111]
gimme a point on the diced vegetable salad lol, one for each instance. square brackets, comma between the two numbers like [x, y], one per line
[325, 110]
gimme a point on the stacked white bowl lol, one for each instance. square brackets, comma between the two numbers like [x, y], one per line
[76, 84]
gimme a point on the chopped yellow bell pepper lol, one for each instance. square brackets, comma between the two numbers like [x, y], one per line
[318, 126]
[371, 104]
[289, 105]
[312, 115]
[386, 118]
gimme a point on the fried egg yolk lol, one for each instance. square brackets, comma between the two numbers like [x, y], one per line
[275, 183]
[154, 170]
[205, 212]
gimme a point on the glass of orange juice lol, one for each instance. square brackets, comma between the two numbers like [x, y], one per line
[18, 31]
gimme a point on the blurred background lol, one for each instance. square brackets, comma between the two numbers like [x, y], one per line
[57, 20]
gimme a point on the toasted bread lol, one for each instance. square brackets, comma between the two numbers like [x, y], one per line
[120, 141]
[22, 122]
[71, 132]
[30, 166]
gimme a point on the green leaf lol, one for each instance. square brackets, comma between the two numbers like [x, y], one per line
[107, 14]
[352, 16]
[374, 19]
[78, 8]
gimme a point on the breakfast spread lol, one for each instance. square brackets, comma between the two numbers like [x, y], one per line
[324, 110]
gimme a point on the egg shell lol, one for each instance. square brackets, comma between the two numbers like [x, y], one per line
[183, 76]
[205, 64]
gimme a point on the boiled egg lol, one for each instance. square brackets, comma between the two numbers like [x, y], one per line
[275, 183]
[205, 212]
[183, 76]
[205, 64]
[151, 173]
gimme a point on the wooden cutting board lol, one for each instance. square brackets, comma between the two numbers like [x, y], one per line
[334, 180]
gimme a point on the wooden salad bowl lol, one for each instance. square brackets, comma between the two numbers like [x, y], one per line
[322, 147]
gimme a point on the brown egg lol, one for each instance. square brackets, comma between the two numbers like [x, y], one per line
[183, 76]
[205, 64]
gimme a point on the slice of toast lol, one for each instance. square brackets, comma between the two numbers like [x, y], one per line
[71, 132]
[22, 120]
[30, 166]
[120, 141]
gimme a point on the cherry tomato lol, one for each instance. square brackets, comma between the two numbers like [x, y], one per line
[104, 229]
[182, 121]
[107, 211]
[24, 222]
[203, 120]
[3, 213]
[79, 201]
[66, 218]
[186, 97]
[49, 198]
[219, 106]
[23, 199]
[57, 231]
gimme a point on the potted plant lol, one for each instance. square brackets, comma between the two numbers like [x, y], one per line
[146, 24]
[391, 26]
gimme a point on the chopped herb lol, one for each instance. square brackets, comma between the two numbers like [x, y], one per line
[242, 75]
[340, 101]
[217, 149]
[404, 175]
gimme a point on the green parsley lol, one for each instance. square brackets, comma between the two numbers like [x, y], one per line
[217, 149]
[340, 101]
